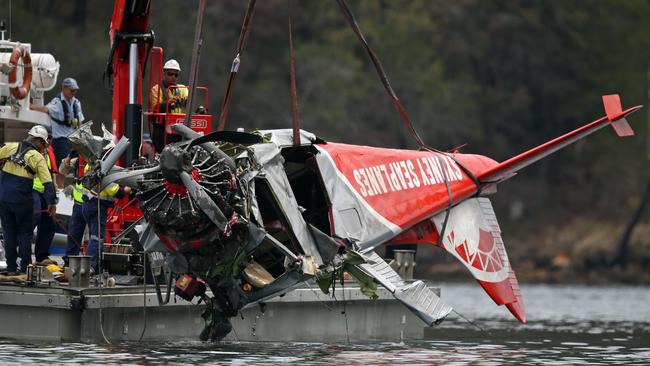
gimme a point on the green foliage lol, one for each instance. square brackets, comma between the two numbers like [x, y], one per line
[351, 262]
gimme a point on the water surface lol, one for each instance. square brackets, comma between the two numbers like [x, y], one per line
[576, 325]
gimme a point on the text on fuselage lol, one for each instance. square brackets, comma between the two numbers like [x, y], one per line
[406, 174]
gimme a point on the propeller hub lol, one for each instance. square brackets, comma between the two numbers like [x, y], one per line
[174, 161]
[180, 189]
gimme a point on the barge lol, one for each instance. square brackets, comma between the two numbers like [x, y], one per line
[131, 313]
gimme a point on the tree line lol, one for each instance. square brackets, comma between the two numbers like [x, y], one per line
[499, 76]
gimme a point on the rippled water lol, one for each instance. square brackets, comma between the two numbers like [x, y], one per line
[566, 325]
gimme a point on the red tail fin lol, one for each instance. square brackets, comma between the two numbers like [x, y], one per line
[615, 115]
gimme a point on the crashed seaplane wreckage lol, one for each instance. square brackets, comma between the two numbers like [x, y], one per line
[252, 215]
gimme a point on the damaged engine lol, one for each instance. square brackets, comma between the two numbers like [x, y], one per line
[197, 206]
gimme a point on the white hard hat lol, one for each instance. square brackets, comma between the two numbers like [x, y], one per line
[172, 65]
[38, 131]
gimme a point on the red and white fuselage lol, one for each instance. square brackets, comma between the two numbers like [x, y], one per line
[380, 196]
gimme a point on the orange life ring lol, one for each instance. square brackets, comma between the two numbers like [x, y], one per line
[18, 53]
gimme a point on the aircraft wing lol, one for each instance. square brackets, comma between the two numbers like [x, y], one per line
[615, 116]
[416, 296]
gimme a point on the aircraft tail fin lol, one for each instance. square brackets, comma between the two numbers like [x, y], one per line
[473, 236]
[615, 116]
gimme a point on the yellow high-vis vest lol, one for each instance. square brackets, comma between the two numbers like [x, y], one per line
[38, 185]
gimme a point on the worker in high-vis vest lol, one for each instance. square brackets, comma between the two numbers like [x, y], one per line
[44, 223]
[94, 211]
[171, 97]
[22, 162]
[77, 222]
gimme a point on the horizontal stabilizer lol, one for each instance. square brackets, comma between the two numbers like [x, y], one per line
[622, 128]
[615, 117]
[416, 296]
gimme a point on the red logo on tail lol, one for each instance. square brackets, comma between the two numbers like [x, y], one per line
[485, 257]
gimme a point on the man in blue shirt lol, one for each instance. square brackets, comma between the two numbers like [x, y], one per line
[66, 116]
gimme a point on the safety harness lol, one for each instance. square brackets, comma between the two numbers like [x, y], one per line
[19, 156]
[67, 119]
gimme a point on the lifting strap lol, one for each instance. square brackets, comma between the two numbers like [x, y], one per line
[349, 18]
[295, 122]
[243, 36]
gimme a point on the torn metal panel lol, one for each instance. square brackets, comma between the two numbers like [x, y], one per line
[255, 209]
[284, 137]
[150, 241]
[327, 247]
[87, 144]
[268, 155]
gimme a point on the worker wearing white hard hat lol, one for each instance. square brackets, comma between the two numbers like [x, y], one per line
[23, 162]
[171, 98]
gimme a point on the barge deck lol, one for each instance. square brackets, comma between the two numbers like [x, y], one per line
[62, 313]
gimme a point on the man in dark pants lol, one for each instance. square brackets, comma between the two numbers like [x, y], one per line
[77, 223]
[23, 161]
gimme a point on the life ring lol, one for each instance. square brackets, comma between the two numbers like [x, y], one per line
[20, 53]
